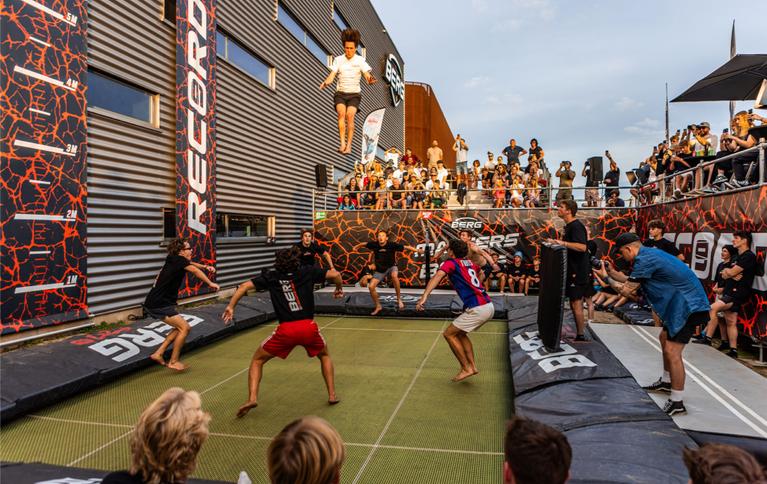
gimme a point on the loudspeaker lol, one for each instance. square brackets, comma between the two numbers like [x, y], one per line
[551, 296]
[596, 171]
[321, 175]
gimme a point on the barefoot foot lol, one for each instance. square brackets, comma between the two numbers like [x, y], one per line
[244, 409]
[376, 310]
[157, 359]
[333, 400]
[462, 375]
[177, 366]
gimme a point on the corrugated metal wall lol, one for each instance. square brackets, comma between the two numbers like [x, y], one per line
[268, 140]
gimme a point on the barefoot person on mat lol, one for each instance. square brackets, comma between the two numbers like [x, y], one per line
[161, 301]
[349, 67]
[290, 288]
[478, 308]
[386, 266]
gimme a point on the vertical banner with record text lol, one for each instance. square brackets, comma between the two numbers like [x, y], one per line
[43, 194]
[196, 131]
[371, 128]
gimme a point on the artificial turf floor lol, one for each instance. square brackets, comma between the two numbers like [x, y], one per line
[401, 418]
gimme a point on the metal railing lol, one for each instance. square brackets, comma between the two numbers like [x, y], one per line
[666, 182]
[483, 198]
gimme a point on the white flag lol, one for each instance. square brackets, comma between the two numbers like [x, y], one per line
[370, 131]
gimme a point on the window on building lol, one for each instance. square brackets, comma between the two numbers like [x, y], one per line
[107, 92]
[380, 153]
[240, 56]
[169, 10]
[343, 25]
[289, 21]
[232, 225]
[168, 223]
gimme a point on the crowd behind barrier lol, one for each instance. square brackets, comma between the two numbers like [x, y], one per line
[692, 163]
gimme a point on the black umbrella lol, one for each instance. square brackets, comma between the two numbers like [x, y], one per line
[737, 80]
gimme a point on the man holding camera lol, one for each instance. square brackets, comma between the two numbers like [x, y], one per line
[566, 176]
[592, 192]
[675, 293]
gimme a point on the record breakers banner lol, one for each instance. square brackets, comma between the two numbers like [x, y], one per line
[196, 132]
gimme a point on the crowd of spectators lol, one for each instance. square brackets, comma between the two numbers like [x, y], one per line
[692, 147]
[171, 431]
[405, 181]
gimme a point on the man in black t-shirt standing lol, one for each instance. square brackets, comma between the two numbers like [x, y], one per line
[384, 253]
[738, 281]
[309, 248]
[162, 299]
[656, 228]
[578, 268]
[290, 288]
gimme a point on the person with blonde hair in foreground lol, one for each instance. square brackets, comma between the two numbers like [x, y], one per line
[166, 440]
[307, 451]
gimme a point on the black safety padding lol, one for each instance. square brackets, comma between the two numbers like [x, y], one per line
[532, 366]
[570, 405]
[437, 306]
[552, 294]
[35, 473]
[326, 303]
[629, 452]
[98, 357]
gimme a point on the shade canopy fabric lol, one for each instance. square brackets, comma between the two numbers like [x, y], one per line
[737, 80]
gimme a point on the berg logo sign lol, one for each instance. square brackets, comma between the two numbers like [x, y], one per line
[467, 223]
[530, 343]
[393, 75]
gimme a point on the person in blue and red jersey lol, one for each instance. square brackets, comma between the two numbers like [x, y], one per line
[290, 287]
[477, 305]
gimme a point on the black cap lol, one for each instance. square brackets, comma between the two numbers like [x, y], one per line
[624, 239]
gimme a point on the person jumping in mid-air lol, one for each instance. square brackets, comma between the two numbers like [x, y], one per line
[349, 67]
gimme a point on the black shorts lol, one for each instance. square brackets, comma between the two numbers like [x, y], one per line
[348, 99]
[579, 291]
[487, 269]
[161, 313]
[736, 303]
[693, 321]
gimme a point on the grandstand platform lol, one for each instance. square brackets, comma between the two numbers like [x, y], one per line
[722, 396]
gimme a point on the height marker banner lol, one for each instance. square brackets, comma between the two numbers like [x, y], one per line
[196, 132]
[371, 129]
[43, 194]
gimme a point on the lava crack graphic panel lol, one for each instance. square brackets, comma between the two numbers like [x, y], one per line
[196, 132]
[501, 231]
[700, 227]
[43, 165]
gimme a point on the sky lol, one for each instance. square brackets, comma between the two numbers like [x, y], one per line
[581, 76]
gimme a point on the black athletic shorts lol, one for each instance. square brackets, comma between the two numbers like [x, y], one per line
[693, 321]
[736, 303]
[487, 269]
[161, 313]
[579, 291]
[348, 99]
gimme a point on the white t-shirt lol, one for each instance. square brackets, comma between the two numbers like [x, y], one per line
[442, 175]
[349, 72]
[430, 185]
[699, 150]
[398, 173]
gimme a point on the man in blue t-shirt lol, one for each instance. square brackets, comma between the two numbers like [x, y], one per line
[477, 305]
[675, 294]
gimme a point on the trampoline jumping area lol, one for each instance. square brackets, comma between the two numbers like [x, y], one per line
[401, 417]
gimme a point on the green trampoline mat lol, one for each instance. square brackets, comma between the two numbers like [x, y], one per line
[401, 417]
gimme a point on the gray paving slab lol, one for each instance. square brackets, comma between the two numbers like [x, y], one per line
[721, 395]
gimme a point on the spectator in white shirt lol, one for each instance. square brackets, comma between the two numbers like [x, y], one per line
[441, 171]
[400, 172]
[349, 68]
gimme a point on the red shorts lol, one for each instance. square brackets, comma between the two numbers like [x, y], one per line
[294, 333]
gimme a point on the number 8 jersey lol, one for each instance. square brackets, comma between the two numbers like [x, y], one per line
[464, 275]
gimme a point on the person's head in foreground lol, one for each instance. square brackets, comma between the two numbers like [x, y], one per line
[723, 464]
[627, 246]
[168, 436]
[458, 249]
[535, 453]
[307, 451]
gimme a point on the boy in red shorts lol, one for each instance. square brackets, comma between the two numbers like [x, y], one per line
[291, 290]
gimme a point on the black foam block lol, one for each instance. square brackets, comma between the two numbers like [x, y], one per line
[552, 294]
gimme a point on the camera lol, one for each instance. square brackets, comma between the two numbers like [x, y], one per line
[596, 262]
